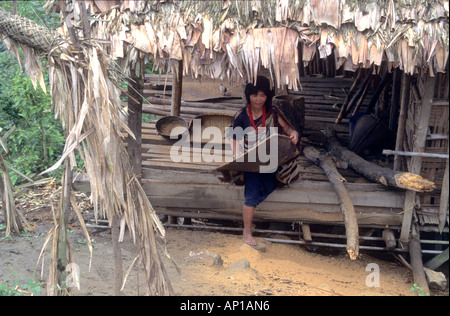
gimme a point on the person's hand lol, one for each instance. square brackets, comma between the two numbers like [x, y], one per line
[294, 137]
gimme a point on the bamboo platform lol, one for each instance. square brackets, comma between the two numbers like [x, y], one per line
[192, 189]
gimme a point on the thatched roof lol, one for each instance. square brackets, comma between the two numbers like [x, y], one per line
[231, 39]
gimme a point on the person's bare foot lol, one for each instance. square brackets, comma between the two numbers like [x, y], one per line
[249, 240]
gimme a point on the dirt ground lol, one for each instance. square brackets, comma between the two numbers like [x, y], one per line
[283, 270]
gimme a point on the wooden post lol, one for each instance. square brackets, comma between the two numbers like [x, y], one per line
[420, 136]
[420, 279]
[117, 254]
[389, 239]
[135, 90]
[177, 86]
[64, 209]
[443, 204]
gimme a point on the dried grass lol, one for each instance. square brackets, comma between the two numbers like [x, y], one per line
[86, 98]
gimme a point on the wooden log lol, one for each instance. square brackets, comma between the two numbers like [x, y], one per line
[389, 238]
[323, 159]
[373, 172]
[306, 232]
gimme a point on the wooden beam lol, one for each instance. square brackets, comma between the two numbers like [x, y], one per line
[438, 260]
[288, 216]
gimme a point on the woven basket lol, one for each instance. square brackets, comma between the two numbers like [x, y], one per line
[221, 121]
[171, 125]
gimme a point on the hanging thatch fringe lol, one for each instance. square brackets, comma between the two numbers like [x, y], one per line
[224, 39]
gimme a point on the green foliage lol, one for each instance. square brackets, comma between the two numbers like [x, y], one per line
[33, 10]
[30, 288]
[418, 290]
[37, 141]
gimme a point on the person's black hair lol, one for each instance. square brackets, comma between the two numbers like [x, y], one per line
[262, 84]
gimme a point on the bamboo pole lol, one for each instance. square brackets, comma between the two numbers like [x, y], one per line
[343, 112]
[416, 161]
[443, 204]
[403, 112]
[413, 154]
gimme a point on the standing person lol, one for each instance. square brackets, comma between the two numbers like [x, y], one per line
[261, 116]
